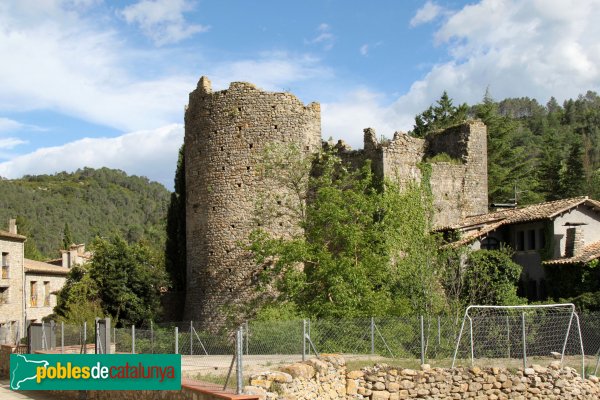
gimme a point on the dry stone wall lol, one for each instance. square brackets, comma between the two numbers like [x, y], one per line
[225, 136]
[327, 378]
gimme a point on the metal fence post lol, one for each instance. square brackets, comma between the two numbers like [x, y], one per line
[508, 334]
[132, 339]
[151, 337]
[239, 367]
[84, 337]
[176, 340]
[62, 337]
[247, 337]
[439, 331]
[372, 336]
[524, 338]
[303, 340]
[191, 338]
[422, 342]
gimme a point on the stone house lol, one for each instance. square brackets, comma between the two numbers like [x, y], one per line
[27, 287]
[12, 280]
[561, 232]
[42, 281]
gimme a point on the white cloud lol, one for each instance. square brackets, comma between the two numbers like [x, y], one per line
[364, 49]
[323, 37]
[162, 20]
[360, 109]
[7, 124]
[62, 62]
[10, 142]
[270, 71]
[425, 14]
[518, 48]
[151, 153]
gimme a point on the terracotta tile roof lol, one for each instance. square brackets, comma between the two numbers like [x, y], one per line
[587, 254]
[44, 268]
[8, 235]
[547, 210]
[478, 225]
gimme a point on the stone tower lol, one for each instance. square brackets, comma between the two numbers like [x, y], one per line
[225, 136]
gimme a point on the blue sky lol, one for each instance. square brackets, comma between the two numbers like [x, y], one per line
[100, 83]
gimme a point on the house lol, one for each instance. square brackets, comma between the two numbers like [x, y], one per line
[558, 232]
[27, 287]
[42, 281]
[12, 278]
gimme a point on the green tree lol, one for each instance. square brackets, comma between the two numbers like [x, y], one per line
[31, 250]
[442, 115]
[67, 240]
[357, 253]
[511, 160]
[490, 277]
[123, 280]
[175, 245]
[572, 179]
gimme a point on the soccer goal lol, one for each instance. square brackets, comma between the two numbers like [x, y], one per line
[517, 332]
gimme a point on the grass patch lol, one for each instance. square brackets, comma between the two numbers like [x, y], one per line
[446, 158]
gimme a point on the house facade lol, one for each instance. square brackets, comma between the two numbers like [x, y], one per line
[12, 278]
[558, 232]
[27, 287]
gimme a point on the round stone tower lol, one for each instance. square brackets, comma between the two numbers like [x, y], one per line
[225, 136]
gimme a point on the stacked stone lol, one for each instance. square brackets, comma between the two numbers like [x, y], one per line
[323, 378]
[327, 379]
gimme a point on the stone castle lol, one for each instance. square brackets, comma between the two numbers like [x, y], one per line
[225, 137]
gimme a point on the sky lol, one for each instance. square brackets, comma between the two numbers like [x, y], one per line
[104, 83]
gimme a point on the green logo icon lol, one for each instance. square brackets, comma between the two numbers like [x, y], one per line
[95, 372]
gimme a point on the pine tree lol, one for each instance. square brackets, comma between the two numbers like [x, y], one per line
[175, 247]
[67, 239]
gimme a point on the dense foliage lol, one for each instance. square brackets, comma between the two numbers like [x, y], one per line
[81, 205]
[535, 152]
[122, 281]
[364, 248]
[175, 247]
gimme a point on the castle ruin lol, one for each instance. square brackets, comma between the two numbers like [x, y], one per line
[226, 133]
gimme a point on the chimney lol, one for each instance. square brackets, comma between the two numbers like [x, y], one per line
[575, 241]
[12, 226]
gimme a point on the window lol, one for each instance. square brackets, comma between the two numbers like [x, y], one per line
[520, 245]
[5, 266]
[531, 240]
[490, 243]
[4, 295]
[46, 293]
[33, 294]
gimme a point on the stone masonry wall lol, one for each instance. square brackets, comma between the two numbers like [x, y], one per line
[226, 133]
[11, 306]
[328, 379]
[225, 136]
[459, 189]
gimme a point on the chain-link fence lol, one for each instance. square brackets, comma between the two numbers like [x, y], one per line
[215, 355]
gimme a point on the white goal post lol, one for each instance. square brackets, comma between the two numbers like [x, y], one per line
[520, 331]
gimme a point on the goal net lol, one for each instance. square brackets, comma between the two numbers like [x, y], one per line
[520, 335]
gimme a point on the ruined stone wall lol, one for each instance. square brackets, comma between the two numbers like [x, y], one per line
[459, 187]
[225, 136]
[459, 190]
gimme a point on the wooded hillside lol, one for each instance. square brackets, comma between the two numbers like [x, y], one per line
[85, 203]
